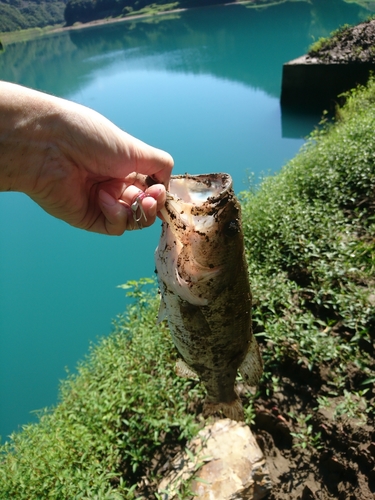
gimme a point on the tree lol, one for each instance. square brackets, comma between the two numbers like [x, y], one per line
[79, 11]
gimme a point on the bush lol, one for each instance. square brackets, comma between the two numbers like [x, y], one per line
[310, 240]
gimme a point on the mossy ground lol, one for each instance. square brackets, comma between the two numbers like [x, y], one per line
[310, 243]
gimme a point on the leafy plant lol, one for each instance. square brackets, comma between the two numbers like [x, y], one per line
[306, 436]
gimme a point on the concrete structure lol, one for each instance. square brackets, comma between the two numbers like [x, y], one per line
[310, 85]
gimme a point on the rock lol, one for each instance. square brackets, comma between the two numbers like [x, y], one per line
[224, 462]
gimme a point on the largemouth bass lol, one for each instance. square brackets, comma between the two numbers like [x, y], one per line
[205, 291]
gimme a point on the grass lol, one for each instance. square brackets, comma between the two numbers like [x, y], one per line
[154, 9]
[310, 242]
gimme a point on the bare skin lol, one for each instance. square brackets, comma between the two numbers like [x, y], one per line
[76, 164]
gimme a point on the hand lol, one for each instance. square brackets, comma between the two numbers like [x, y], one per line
[77, 165]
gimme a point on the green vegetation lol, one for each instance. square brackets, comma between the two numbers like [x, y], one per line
[310, 241]
[325, 43]
[347, 44]
[26, 34]
[18, 15]
[310, 238]
[121, 408]
[153, 9]
[89, 10]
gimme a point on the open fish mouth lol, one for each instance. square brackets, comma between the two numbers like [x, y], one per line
[195, 201]
[199, 189]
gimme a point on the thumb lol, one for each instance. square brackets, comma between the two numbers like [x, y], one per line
[153, 162]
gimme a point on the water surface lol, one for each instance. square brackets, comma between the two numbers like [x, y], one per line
[205, 86]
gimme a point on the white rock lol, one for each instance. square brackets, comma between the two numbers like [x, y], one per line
[224, 462]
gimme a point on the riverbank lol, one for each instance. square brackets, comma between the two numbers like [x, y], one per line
[29, 34]
[147, 12]
[310, 243]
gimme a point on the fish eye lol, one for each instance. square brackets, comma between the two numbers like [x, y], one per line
[232, 228]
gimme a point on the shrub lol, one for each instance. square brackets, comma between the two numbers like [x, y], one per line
[310, 241]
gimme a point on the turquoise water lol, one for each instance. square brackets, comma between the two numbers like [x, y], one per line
[205, 86]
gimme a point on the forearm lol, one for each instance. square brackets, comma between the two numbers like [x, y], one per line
[26, 135]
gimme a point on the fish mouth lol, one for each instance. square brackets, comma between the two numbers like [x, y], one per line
[198, 190]
[195, 201]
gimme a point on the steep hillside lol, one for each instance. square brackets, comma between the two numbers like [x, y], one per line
[21, 14]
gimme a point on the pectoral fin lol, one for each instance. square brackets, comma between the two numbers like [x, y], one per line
[251, 368]
[162, 311]
[183, 370]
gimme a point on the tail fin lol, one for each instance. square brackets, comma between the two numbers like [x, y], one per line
[233, 410]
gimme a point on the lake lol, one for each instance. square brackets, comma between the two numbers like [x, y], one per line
[202, 84]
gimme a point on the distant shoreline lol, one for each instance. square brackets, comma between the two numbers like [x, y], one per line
[100, 22]
[10, 37]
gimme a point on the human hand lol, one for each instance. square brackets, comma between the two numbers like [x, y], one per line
[76, 164]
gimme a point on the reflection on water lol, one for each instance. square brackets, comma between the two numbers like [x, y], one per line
[203, 85]
[299, 124]
[243, 44]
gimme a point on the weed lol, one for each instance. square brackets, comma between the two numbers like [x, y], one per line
[306, 437]
[352, 406]
[324, 43]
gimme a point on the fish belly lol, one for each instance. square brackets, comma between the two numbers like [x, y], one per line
[214, 340]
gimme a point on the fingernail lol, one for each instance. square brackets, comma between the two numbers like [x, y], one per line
[106, 198]
[158, 193]
[152, 210]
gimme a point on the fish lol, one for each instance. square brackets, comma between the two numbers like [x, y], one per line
[205, 291]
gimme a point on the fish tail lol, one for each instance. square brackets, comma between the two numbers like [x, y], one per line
[232, 410]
